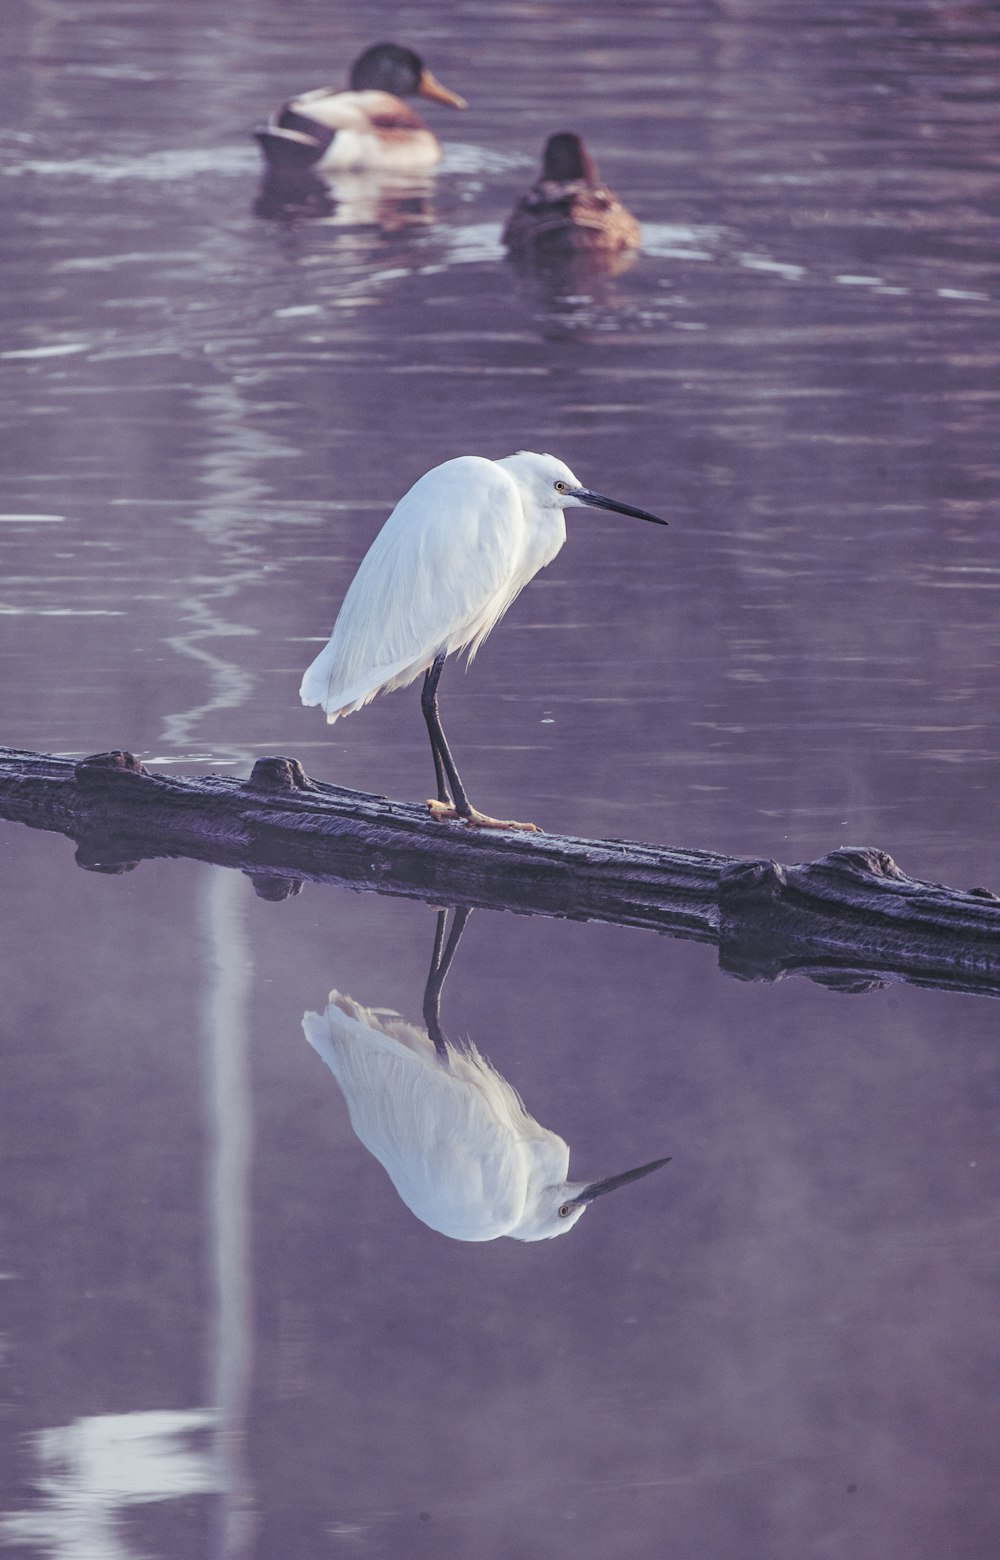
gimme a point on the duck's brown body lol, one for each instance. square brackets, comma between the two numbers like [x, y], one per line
[569, 209]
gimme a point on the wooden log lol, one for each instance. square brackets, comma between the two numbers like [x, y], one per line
[851, 920]
[283, 828]
[854, 921]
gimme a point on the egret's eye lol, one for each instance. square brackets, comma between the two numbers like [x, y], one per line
[562, 487]
[567, 1208]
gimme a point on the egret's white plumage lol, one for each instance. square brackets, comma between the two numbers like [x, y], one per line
[455, 552]
[452, 1134]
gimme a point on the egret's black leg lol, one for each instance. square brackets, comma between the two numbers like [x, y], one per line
[440, 965]
[440, 922]
[462, 913]
[444, 764]
[432, 990]
[444, 795]
[457, 804]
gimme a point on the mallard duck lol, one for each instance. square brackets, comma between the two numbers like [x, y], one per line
[368, 126]
[568, 209]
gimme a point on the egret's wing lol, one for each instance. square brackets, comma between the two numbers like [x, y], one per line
[443, 1139]
[542, 1156]
[548, 1159]
[439, 574]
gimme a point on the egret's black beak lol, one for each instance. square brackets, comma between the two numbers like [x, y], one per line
[598, 501]
[598, 1188]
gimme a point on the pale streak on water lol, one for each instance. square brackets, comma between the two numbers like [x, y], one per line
[224, 1334]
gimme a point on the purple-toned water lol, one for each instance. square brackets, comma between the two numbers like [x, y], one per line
[225, 1334]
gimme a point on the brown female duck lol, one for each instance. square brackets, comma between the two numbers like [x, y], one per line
[569, 210]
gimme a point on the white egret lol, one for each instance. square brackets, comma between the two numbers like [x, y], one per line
[455, 552]
[569, 210]
[368, 126]
[451, 1133]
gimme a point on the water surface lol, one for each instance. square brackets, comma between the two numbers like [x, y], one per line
[225, 1333]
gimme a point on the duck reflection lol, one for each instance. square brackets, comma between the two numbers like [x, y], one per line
[573, 297]
[363, 199]
[453, 1135]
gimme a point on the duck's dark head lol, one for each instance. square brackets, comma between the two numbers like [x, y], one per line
[388, 67]
[566, 158]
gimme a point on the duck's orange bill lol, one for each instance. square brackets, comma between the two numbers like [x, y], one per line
[430, 87]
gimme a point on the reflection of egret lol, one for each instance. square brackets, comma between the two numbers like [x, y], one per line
[368, 126]
[455, 552]
[569, 210]
[452, 1134]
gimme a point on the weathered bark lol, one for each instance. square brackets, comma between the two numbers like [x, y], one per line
[281, 828]
[854, 921]
[851, 919]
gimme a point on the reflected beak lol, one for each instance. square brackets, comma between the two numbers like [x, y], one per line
[598, 1188]
[429, 87]
[598, 501]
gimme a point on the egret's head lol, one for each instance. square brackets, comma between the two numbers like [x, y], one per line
[543, 480]
[548, 483]
[559, 1207]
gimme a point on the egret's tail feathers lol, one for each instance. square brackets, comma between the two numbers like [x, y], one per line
[316, 1029]
[340, 691]
[379, 1022]
[317, 683]
[346, 1020]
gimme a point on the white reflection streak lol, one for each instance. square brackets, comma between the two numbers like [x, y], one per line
[236, 448]
[231, 1146]
[96, 1468]
[231, 685]
[228, 466]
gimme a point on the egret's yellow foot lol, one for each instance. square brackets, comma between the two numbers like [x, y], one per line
[479, 820]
